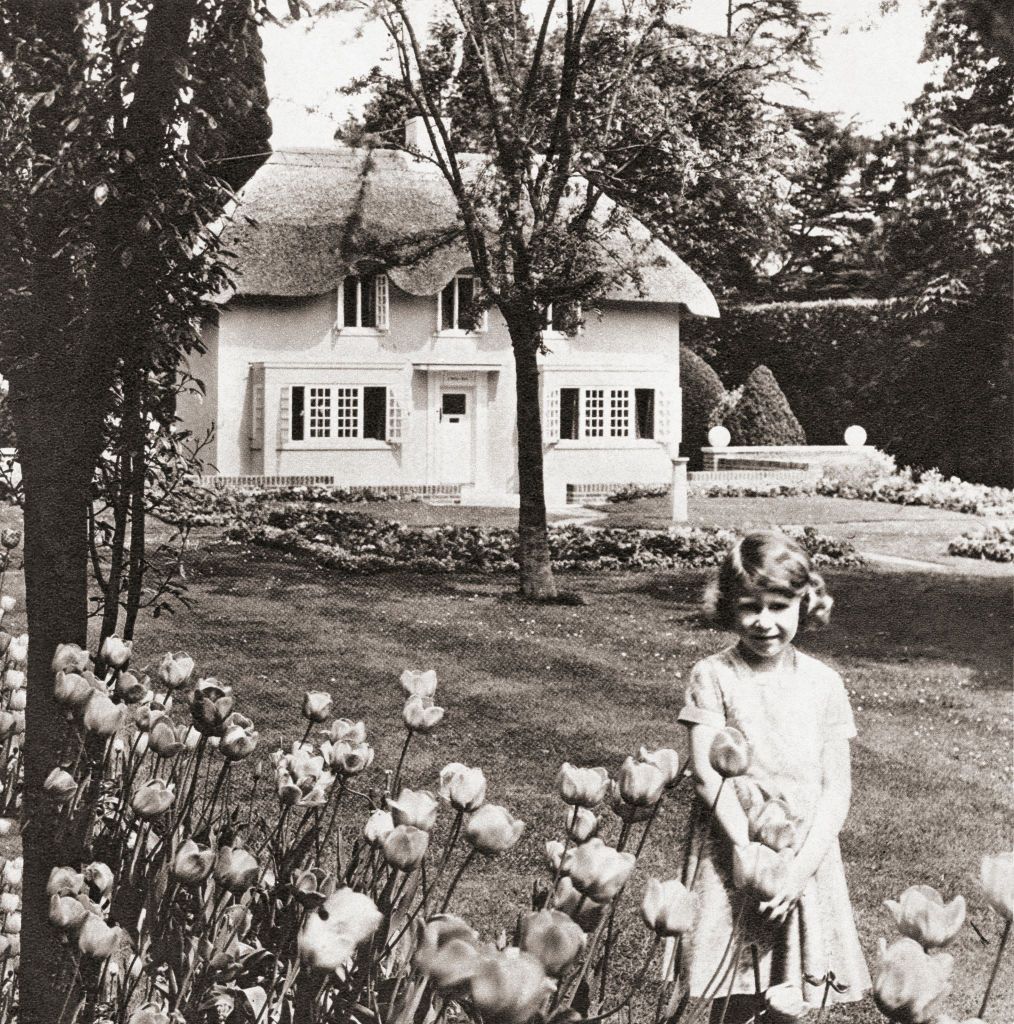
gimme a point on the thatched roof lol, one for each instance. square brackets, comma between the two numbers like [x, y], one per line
[307, 216]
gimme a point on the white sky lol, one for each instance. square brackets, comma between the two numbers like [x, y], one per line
[869, 72]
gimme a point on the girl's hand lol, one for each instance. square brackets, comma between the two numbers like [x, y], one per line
[779, 907]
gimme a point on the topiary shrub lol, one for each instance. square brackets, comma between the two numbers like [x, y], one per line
[763, 415]
[702, 392]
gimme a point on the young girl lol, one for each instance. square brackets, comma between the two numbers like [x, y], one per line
[795, 715]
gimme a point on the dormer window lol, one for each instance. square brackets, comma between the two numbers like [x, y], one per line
[457, 306]
[362, 302]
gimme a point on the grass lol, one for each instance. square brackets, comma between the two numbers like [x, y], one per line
[925, 658]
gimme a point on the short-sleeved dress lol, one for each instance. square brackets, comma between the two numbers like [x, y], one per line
[786, 716]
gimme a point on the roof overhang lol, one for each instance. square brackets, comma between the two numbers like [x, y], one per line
[458, 367]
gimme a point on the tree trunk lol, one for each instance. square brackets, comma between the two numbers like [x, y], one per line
[56, 462]
[537, 581]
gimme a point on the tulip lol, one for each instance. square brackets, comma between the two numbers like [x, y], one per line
[331, 934]
[7, 603]
[759, 869]
[97, 939]
[317, 706]
[152, 799]
[909, 985]
[101, 715]
[9, 902]
[130, 689]
[192, 863]
[149, 1013]
[175, 670]
[640, 783]
[210, 706]
[71, 689]
[17, 651]
[421, 715]
[8, 725]
[69, 658]
[344, 730]
[446, 953]
[730, 753]
[60, 785]
[13, 679]
[379, 825]
[8, 826]
[585, 787]
[65, 882]
[346, 759]
[10, 538]
[18, 700]
[666, 760]
[772, 825]
[997, 878]
[784, 1004]
[416, 807]
[598, 871]
[236, 869]
[239, 738]
[628, 813]
[493, 829]
[12, 924]
[405, 847]
[508, 989]
[419, 684]
[13, 873]
[163, 738]
[116, 652]
[553, 939]
[586, 912]
[668, 908]
[66, 912]
[99, 877]
[312, 886]
[554, 853]
[581, 824]
[920, 914]
[462, 787]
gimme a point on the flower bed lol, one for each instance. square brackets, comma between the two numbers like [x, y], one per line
[995, 543]
[354, 542]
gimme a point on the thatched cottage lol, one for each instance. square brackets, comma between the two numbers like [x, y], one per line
[322, 367]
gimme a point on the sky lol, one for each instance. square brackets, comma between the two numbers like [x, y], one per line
[870, 65]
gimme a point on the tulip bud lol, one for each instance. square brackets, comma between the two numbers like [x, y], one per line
[772, 825]
[9, 538]
[493, 829]
[553, 939]
[344, 730]
[17, 651]
[666, 760]
[13, 679]
[346, 759]
[239, 738]
[192, 863]
[996, 876]
[446, 953]
[100, 877]
[65, 882]
[784, 1004]
[629, 813]
[12, 924]
[130, 689]
[101, 715]
[417, 807]
[379, 825]
[462, 787]
[581, 824]
[163, 738]
[18, 700]
[331, 934]
[587, 913]
[598, 871]
[909, 986]
[13, 873]
[419, 684]
[405, 847]
[60, 785]
[152, 799]
[509, 989]
[640, 783]
[97, 939]
[317, 706]
[8, 725]
[116, 652]
[582, 786]
[71, 689]
[668, 908]
[920, 914]
[312, 886]
[421, 715]
[236, 869]
[759, 869]
[9, 902]
[69, 658]
[730, 753]
[174, 670]
[7, 603]
[149, 1013]
[66, 912]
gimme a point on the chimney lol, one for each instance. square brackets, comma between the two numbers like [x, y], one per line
[417, 139]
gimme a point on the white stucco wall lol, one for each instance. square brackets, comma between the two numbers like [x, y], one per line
[293, 342]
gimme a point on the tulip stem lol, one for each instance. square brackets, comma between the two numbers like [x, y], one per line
[401, 760]
[634, 987]
[469, 857]
[996, 968]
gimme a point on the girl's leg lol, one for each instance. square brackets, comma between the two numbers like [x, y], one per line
[740, 1010]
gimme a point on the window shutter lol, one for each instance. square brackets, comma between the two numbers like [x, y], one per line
[284, 406]
[380, 286]
[257, 409]
[551, 416]
[663, 417]
[394, 417]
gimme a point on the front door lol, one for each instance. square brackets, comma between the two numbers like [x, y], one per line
[455, 416]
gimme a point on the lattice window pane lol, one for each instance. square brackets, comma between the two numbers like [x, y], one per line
[594, 412]
[347, 412]
[619, 412]
[319, 412]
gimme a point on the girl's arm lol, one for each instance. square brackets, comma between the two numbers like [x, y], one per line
[832, 809]
[729, 812]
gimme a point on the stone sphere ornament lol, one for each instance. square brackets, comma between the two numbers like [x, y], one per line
[719, 437]
[855, 436]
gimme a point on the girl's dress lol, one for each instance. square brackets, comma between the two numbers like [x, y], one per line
[786, 716]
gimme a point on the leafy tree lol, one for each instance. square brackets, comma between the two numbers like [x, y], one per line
[108, 262]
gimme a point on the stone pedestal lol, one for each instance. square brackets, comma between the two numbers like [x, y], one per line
[680, 511]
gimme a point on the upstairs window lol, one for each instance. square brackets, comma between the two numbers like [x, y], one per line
[589, 413]
[457, 305]
[362, 301]
[565, 319]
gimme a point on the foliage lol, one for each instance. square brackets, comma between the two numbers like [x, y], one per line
[763, 416]
[631, 492]
[702, 392]
[995, 543]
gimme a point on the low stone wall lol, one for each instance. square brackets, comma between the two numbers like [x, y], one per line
[815, 457]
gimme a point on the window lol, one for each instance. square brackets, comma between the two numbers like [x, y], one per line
[606, 412]
[567, 321]
[331, 411]
[362, 301]
[457, 306]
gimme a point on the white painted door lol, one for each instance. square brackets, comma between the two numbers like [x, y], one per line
[455, 419]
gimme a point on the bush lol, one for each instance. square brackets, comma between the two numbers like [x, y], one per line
[702, 392]
[763, 415]
[995, 543]
[631, 492]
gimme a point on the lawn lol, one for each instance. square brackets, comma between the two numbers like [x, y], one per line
[926, 658]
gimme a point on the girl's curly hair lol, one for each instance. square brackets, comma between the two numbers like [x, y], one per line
[768, 560]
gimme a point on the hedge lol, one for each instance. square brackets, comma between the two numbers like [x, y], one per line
[702, 391]
[762, 416]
